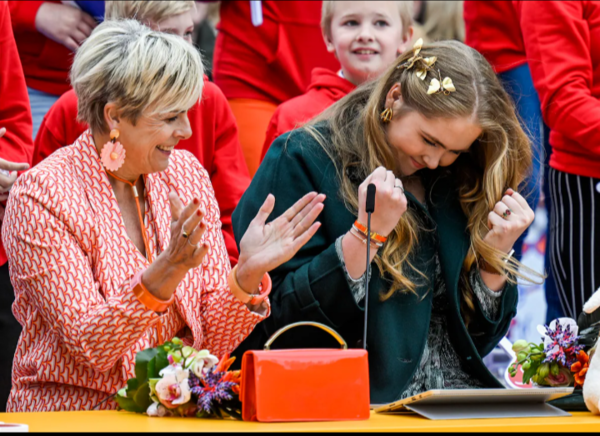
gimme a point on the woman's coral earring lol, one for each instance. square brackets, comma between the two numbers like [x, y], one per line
[387, 115]
[113, 153]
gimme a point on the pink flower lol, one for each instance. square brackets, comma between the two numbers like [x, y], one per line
[563, 379]
[173, 388]
[112, 155]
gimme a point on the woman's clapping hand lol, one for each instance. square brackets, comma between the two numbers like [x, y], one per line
[266, 246]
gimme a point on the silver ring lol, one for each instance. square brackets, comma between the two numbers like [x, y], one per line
[192, 245]
[399, 187]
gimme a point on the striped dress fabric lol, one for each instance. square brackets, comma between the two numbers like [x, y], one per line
[574, 239]
[71, 264]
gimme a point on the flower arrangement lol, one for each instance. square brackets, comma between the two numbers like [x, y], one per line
[176, 380]
[560, 361]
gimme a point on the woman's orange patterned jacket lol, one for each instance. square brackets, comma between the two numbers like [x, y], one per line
[71, 263]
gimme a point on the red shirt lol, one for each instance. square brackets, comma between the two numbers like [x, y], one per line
[562, 39]
[326, 88]
[214, 142]
[272, 62]
[493, 29]
[46, 63]
[16, 145]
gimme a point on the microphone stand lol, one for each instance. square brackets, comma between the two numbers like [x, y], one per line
[370, 208]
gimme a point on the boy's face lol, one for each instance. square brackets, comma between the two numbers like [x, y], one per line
[366, 37]
[181, 25]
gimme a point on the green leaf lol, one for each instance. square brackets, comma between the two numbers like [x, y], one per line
[161, 362]
[129, 405]
[529, 373]
[142, 359]
[142, 396]
[132, 385]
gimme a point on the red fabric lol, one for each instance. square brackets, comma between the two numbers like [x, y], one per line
[272, 62]
[16, 145]
[326, 88]
[493, 29]
[215, 144]
[46, 63]
[563, 46]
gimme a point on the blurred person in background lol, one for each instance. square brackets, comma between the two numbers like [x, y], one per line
[16, 148]
[214, 140]
[562, 41]
[47, 35]
[264, 56]
[494, 30]
[439, 20]
[366, 37]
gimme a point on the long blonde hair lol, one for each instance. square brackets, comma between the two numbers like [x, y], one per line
[498, 160]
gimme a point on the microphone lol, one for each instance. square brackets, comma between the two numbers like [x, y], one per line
[370, 208]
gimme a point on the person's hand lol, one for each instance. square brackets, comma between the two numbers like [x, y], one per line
[390, 201]
[163, 276]
[508, 221]
[187, 229]
[266, 246]
[8, 174]
[66, 25]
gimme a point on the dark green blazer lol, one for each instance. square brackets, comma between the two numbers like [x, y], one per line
[312, 286]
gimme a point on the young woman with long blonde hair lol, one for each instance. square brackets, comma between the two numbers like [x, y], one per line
[439, 138]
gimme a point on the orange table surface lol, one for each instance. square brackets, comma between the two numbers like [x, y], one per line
[129, 422]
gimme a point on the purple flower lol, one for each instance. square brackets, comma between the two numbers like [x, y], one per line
[211, 389]
[561, 342]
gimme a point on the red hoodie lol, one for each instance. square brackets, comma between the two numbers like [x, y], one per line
[326, 88]
[562, 39]
[493, 29]
[46, 63]
[214, 142]
[272, 62]
[16, 145]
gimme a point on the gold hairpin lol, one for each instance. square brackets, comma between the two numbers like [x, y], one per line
[416, 50]
[445, 86]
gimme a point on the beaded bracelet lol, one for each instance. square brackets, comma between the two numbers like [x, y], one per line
[362, 238]
[375, 236]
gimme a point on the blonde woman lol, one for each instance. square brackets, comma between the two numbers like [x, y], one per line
[115, 242]
[439, 138]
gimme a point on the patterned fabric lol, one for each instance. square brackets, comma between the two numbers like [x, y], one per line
[71, 264]
[440, 366]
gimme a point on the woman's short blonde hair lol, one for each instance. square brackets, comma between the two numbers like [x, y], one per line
[143, 11]
[138, 69]
[405, 8]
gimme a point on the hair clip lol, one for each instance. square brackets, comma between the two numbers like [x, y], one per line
[416, 50]
[445, 86]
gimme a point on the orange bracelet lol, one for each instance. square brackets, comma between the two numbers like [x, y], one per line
[146, 298]
[263, 291]
[375, 236]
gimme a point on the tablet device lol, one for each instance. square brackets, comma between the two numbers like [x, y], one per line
[481, 403]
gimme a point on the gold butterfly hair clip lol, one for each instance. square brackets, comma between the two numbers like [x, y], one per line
[445, 86]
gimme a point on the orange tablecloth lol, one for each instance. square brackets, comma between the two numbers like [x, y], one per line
[128, 422]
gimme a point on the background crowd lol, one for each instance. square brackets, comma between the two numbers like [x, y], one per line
[273, 66]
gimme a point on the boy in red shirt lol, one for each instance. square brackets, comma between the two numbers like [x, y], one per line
[366, 37]
[15, 155]
[264, 55]
[214, 141]
[47, 33]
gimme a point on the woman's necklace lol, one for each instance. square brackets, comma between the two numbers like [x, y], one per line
[139, 210]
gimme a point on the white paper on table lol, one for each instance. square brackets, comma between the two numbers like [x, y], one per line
[13, 428]
[257, 12]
